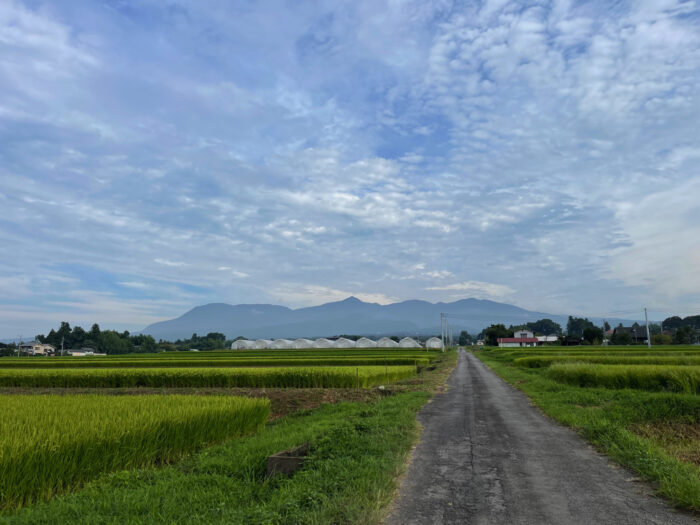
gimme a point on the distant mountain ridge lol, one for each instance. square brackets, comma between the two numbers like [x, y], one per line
[349, 316]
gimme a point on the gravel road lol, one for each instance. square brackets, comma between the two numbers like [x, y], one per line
[487, 456]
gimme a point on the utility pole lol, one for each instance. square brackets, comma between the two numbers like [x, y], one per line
[62, 346]
[442, 330]
[646, 319]
[19, 346]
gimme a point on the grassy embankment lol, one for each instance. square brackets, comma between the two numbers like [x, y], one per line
[357, 452]
[648, 419]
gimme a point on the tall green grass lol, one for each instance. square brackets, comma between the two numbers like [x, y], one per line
[211, 362]
[644, 377]
[51, 444]
[298, 377]
[543, 361]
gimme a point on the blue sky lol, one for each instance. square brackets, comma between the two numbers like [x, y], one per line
[158, 155]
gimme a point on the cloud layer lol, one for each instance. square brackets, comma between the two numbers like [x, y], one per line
[158, 156]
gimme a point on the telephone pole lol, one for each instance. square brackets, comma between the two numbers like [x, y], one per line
[646, 320]
[442, 330]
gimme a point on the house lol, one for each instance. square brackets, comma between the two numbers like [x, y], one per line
[638, 333]
[36, 348]
[509, 342]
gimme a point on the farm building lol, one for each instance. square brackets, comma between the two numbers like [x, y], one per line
[408, 342]
[262, 344]
[243, 344]
[433, 342]
[281, 344]
[324, 343]
[364, 342]
[304, 343]
[344, 343]
[508, 342]
[386, 342]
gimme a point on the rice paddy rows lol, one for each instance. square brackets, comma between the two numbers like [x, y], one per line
[545, 361]
[83, 362]
[269, 377]
[684, 379]
[51, 444]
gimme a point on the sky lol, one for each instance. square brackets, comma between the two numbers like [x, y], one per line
[159, 155]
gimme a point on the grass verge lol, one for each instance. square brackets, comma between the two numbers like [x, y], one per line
[611, 419]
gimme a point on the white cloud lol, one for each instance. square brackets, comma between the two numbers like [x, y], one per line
[478, 289]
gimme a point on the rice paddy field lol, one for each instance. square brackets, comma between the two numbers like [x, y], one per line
[61, 438]
[51, 444]
[641, 406]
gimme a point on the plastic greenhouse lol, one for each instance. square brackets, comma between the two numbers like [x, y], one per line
[304, 343]
[408, 342]
[387, 342]
[262, 344]
[243, 344]
[434, 342]
[344, 343]
[364, 342]
[280, 344]
[324, 343]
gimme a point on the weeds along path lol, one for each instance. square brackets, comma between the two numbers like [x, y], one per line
[487, 456]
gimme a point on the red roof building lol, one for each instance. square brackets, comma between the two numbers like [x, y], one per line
[517, 341]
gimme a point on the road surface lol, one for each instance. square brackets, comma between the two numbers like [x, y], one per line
[487, 456]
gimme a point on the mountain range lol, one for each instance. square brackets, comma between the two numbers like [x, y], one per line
[350, 316]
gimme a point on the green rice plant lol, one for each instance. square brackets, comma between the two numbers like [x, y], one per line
[213, 362]
[52, 444]
[644, 377]
[270, 377]
[545, 361]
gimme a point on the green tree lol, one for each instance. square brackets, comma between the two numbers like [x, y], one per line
[606, 326]
[622, 338]
[661, 339]
[494, 332]
[592, 335]
[464, 338]
[545, 327]
[576, 325]
[685, 335]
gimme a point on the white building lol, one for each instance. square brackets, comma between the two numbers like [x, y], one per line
[304, 343]
[387, 342]
[324, 343]
[36, 348]
[282, 344]
[548, 338]
[519, 334]
[364, 342]
[263, 344]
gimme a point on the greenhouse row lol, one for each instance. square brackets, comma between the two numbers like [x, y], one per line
[342, 342]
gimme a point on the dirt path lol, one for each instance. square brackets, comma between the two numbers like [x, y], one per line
[487, 456]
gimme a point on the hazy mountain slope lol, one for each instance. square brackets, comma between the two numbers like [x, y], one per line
[350, 316]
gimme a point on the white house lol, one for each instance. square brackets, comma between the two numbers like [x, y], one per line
[36, 348]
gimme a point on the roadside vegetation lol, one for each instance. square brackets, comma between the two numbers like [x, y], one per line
[645, 416]
[357, 450]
